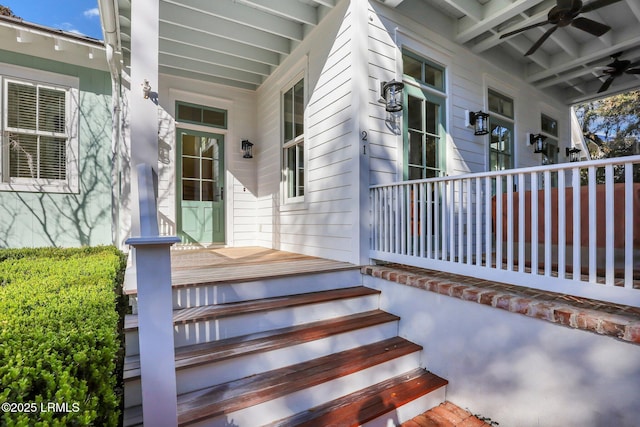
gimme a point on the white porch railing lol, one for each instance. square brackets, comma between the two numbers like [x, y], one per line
[521, 226]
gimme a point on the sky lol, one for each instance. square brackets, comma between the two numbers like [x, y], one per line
[77, 16]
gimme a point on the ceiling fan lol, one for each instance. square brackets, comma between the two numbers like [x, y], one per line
[566, 13]
[616, 69]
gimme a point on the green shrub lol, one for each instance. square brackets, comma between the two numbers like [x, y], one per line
[59, 339]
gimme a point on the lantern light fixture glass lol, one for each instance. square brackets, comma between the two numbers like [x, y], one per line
[247, 149]
[573, 153]
[391, 95]
[479, 120]
[537, 140]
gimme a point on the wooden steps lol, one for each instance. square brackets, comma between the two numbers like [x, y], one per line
[218, 351]
[305, 349]
[232, 397]
[210, 312]
[368, 404]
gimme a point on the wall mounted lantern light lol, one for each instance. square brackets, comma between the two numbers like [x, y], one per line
[537, 140]
[247, 149]
[146, 89]
[391, 95]
[573, 154]
[478, 120]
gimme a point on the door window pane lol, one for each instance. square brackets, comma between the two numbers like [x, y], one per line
[414, 113]
[190, 190]
[190, 167]
[415, 148]
[190, 145]
[208, 189]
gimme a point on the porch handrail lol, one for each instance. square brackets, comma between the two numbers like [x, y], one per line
[152, 264]
[535, 226]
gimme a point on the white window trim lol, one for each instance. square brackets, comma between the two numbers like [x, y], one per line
[11, 73]
[298, 201]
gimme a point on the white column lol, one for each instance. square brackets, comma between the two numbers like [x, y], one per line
[145, 15]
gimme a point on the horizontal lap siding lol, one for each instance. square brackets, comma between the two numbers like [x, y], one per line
[468, 78]
[323, 224]
[383, 143]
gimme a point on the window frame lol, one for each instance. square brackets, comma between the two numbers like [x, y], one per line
[44, 80]
[499, 118]
[297, 143]
[427, 93]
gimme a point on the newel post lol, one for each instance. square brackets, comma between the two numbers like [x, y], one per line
[152, 261]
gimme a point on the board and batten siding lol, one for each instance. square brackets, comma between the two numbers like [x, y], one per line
[468, 78]
[323, 224]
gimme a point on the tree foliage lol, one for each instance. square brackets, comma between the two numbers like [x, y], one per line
[5, 11]
[612, 125]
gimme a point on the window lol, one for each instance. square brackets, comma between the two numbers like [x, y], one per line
[38, 150]
[422, 71]
[549, 128]
[201, 115]
[293, 140]
[500, 132]
[423, 118]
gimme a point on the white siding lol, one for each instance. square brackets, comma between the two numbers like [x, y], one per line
[323, 224]
[468, 79]
[240, 178]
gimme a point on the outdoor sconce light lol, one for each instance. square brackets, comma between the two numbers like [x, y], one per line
[537, 140]
[391, 95]
[146, 89]
[477, 120]
[247, 149]
[573, 154]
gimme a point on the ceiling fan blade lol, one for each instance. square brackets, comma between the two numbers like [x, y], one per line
[633, 71]
[590, 26]
[528, 27]
[597, 5]
[541, 40]
[606, 84]
[564, 4]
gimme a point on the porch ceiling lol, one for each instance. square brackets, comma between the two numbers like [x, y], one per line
[240, 42]
[231, 42]
[570, 61]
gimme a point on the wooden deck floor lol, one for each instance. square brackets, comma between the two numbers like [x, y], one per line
[208, 265]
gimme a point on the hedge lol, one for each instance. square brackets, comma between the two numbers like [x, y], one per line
[59, 337]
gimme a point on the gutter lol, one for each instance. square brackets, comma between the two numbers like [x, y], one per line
[110, 30]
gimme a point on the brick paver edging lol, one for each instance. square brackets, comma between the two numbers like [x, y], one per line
[618, 321]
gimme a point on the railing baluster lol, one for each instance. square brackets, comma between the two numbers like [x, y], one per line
[430, 218]
[609, 224]
[534, 223]
[521, 219]
[444, 217]
[592, 224]
[487, 221]
[498, 230]
[547, 223]
[415, 236]
[562, 219]
[469, 227]
[452, 220]
[577, 252]
[628, 226]
[436, 220]
[510, 222]
[478, 222]
[460, 220]
[423, 218]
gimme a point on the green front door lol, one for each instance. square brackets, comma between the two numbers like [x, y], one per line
[200, 187]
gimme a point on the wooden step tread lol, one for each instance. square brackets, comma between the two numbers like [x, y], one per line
[210, 312]
[249, 391]
[368, 404]
[198, 354]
